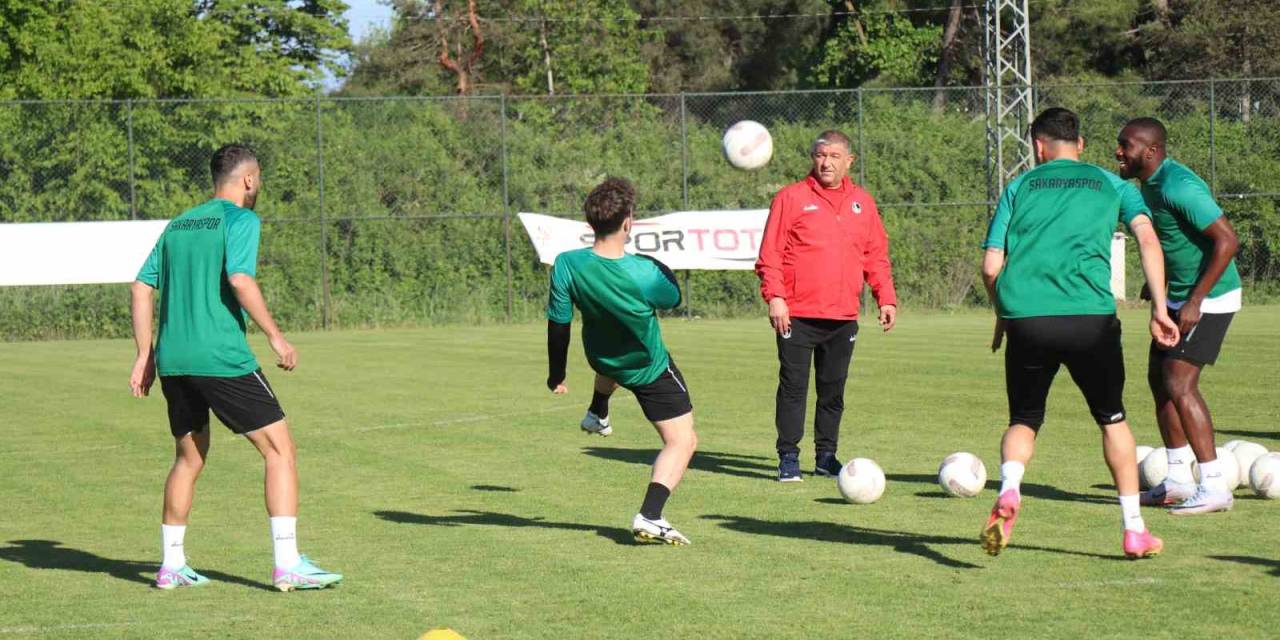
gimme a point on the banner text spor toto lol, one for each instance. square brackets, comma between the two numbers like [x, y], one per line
[683, 240]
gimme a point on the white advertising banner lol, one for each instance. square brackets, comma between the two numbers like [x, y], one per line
[75, 252]
[683, 240]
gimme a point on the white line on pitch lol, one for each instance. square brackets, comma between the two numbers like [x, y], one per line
[105, 625]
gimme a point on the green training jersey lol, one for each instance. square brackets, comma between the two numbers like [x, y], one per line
[618, 298]
[1182, 207]
[201, 323]
[1055, 224]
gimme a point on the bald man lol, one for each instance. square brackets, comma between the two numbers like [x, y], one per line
[1204, 292]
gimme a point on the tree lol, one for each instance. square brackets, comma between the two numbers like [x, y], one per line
[884, 45]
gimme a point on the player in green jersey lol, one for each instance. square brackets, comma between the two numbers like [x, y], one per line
[204, 267]
[1204, 292]
[618, 295]
[1047, 268]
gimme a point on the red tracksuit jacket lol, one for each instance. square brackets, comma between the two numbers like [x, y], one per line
[818, 247]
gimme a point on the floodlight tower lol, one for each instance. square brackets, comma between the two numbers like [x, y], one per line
[1008, 92]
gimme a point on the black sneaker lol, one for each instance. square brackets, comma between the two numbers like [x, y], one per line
[827, 465]
[789, 467]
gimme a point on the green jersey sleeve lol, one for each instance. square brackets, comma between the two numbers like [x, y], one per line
[560, 306]
[1131, 203]
[243, 232]
[149, 274]
[1191, 200]
[660, 288]
[998, 230]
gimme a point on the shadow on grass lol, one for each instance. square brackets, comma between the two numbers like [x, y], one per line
[50, 554]
[464, 517]
[493, 487]
[1032, 490]
[732, 464]
[900, 541]
[914, 544]
[1269, 435]
[1273, 565]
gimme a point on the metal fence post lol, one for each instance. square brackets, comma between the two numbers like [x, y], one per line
[133, 188]
[506, 210]
[684, 195]
[324, 226]
[862, 160]
[1213, 155]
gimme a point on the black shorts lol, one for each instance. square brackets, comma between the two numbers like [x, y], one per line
[1199, 346]
[664, 398]
[1090, 348]
[244, 403]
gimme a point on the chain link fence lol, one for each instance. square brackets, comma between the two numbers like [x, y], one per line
[386, 211]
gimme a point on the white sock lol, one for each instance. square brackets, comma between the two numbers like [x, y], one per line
[171, 539]
[1211, 476]
[1011, 476]
[284, 534]
[1180, 460]
[1131, 514]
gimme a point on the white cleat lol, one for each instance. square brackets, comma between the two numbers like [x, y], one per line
[1167, 493]
[656, 531]
[1204, 501]
[591, 423]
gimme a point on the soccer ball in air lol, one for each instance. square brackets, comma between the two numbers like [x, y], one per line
[1246, 454]
[1154, 468]
[748, 145]
[1143, 451]
[1264, 477]
[861, 481]
[962, 475]
[1231, 475]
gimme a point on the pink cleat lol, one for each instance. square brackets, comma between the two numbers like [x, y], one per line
[995, 536]
[1141, 545]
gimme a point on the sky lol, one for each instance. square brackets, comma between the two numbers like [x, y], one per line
[362, 17]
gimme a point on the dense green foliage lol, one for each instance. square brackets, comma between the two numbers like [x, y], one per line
[453, 490]
[407, 224]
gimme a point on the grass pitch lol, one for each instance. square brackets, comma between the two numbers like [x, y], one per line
[453, 490]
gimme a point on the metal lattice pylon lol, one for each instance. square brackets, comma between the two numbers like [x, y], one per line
[1008, 92]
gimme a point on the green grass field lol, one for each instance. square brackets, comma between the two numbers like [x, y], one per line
[453, 490]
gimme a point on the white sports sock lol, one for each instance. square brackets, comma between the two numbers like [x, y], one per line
[1011, 476]
[1131, 514]
[1211, 476]
[1180, 460]
[284, 534]
[172, 540]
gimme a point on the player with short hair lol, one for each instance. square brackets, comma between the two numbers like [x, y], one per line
[1047, 270]
[618, 295]
[204, 266]
[1204, 293]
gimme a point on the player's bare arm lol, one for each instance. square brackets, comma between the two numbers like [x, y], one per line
[1163, 329]
[144, 366]
[1225, 246]
[992, 265]
[250, 297]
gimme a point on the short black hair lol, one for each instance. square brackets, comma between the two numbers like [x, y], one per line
[1056, 124]
[1159, 134]
[609, 204]
[227, 159]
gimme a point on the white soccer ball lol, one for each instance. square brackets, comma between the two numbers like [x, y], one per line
[1230, 445]
[1246, 454]
[861, 481]
[1264, 477]
[1154, 468]
[1231, 475]
[747, 145]
[962, 475]
[1143, 451]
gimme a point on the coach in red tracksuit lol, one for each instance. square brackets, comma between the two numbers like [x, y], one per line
[823, 239]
